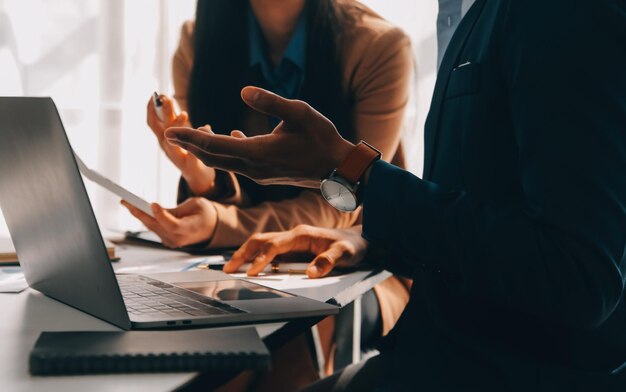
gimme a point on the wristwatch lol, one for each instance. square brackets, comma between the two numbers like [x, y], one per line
[342, 188]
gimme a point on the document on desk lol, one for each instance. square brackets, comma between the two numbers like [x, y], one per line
[175, 265]
[286, 281]
[112, 187]
[12, 280]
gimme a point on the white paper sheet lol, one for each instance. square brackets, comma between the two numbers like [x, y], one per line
[116, 189]
[290, 282]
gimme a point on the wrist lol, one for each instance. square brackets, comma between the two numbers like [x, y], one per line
[200, 187]
[344, 188]
[366, 176]
[213, 221]
[202, 181]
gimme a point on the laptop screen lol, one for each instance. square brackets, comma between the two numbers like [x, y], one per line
[48, 212]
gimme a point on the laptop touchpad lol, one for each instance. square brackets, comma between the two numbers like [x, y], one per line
[232, 290]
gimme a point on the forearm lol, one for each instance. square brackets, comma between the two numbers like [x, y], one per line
[226, 190]
[236, 224]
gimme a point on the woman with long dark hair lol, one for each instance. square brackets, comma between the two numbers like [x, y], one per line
[337, 55]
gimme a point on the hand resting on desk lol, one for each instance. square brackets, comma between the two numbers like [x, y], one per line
[331, 247]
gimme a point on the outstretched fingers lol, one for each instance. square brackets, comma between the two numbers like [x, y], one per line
[262, 249]
[213, 160]
[213, 144]
[165, 219]
[326, 261]
[274, 105]
[247, 252]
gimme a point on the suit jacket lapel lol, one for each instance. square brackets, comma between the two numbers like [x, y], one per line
[450, 60]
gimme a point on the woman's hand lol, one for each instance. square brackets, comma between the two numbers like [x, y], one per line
[192, 222]
[199, 177]
[331, 247]
[304, 148]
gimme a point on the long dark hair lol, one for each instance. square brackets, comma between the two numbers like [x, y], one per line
[221, 64]
[221, 69]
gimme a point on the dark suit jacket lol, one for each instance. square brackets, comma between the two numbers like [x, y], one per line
[516, 237]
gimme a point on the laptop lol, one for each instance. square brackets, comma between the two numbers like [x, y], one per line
[61, 251]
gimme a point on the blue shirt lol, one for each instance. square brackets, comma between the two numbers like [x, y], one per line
[285, 79]
[450, 14]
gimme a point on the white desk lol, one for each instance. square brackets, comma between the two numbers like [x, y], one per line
[26, 314]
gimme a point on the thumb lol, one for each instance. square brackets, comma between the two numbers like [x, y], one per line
[274, 105]
[168, 109]
[164, 217]
[238, 134]
[181, 120]
[186, 208]
[207, 128]
[325, 261]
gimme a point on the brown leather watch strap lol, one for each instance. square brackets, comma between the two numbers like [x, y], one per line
[358, 161]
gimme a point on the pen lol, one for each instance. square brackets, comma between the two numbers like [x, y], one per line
[275, 268]
[158, 105]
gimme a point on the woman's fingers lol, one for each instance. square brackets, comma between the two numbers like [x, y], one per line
[266, 102]
[169, 114]
[186, 208]
[137, 213]
[206, 129]
[333, 248]
[181, 120]
[262, 249]
[151, 223]
[238, 134]
[165, 219]
[324, 263]
[280, 244]
[214, 144]
[247, 252]
[158, 127]
[154, 122]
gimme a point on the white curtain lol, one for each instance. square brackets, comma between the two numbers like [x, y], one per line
[418, 19]
[101, 59]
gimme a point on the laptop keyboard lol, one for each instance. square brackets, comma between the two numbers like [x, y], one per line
[145, 296]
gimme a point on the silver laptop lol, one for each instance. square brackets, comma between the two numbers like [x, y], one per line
[61, 251]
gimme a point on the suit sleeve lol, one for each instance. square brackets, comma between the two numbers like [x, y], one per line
[562, 254]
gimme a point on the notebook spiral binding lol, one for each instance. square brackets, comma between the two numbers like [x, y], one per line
[58, 364]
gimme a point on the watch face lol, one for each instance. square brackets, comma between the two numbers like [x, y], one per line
[338, 195]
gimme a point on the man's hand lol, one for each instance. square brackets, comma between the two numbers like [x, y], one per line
[304, 148]
[200, 178]
[331, 247]
[192, 222]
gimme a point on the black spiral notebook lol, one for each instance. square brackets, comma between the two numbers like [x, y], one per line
[63, 353]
